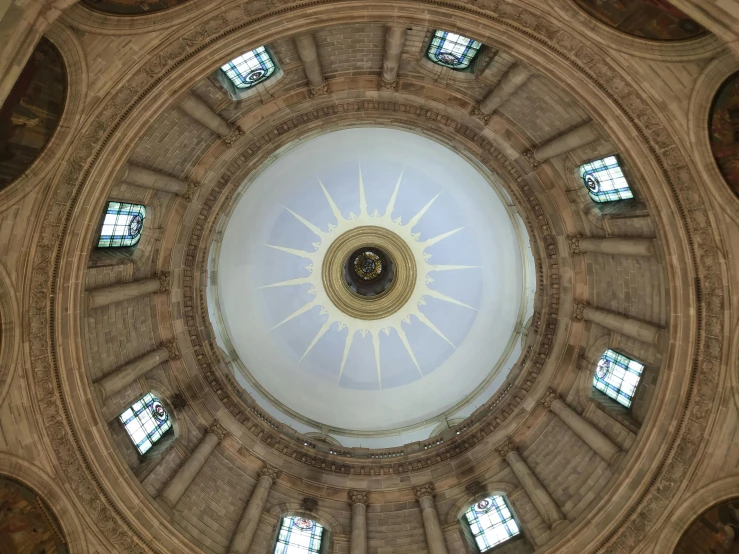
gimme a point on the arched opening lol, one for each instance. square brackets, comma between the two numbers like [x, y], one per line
[714, 532]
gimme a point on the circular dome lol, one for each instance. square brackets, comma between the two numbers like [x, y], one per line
[358, 274]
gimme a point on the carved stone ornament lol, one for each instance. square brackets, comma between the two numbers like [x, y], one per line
[309, 504]
[218, 430]
[579, 313]
[574, 242]
[425, 490]
[163, 277]
[268, 471]
[319, 91]
[479, 114]
[549, 398]
[236, 133]
[191, 186]
[475, 489]
[506, 448]
[178, 402]
[358, 497]
[388, 85]
[171, 346]
[531, 159]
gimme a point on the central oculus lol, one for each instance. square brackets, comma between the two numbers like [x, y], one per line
[369, 271]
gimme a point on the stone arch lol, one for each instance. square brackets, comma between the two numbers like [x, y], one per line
[49, 156]
[330, 524]
[10, 331]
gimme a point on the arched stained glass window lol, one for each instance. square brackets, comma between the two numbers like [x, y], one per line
[617, 376]
[491, 522]
[605, 180]
[250, 69]
[452, 50]
[145, 422]
[122, 225]
[299, 536]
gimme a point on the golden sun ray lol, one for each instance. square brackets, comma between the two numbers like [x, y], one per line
[288, 283]
[322, 331]
[307, 223]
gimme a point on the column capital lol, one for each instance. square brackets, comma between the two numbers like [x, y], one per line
[218, 430]
[388, 85]
[549, 398]
[309, 504]
[574, 242]
[171, 346]
[424, 490]
[579, 313]
[164, 281]
[191, 186]
[235, 134]
[272, 472]
[358, 497]
[531, 158]
[319, 90]
[506, 448]
[479, 114]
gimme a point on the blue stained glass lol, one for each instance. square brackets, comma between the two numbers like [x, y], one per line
[299, 536]
[145, 422]
[605, 180]
[491, 522]
[122, 225]
[452, 50]
[250, 68]
[617, 376]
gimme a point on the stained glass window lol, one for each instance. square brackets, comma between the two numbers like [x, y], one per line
[605, 180]
[491, 522]
[452, 50]
[617, 376]
[299, 536]
[122, 225]
[146, 421]
[250, 68]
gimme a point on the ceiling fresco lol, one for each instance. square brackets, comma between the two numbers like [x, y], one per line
[724, 129]
[132, 7]
[715, 532]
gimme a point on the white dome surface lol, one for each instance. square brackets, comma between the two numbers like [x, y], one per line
[313, 360]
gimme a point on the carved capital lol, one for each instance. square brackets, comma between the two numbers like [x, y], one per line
[191, 186]
[427, 489]
[236, 133]
[531, 159]
[479, 114]
[549, 398]
[163, 277]
[579, 313]
[574, 242]
[218, 430]
[358, 497]
[506, 448]
[475, 489]
[319, 91]
[388, 85]
[171, 346]
[309, 504]
[271, 472]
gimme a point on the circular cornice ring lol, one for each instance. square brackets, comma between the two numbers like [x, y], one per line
[369, 308]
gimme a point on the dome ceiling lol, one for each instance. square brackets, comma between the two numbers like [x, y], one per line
[342, 211]
[132, 7]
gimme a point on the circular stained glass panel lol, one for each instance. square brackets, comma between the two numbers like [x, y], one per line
[449, 58]
[134, 227]
[255, 75]
[158, 411]
[604, 368]
[367, 265]
[591, 181]
[484, 506]
[303, 524]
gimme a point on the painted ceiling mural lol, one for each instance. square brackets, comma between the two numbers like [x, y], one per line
[32, 111]
[724, 129]
[132, 7]
[649, 19]
[715, 532]
[27, 525]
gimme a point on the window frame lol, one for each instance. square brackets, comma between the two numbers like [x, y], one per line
[468, 525]
[237, 94]
[99, 236]
[624, 175]
[135, 417]
[617, 391]
[324, 536]
[471, 59]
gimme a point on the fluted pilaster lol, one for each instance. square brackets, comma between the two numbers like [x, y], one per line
[105, 296]
[203, 114]
[431, 524]
[640, 330]
[127, 374]
[394, 41]
[308, 52]
[359, 501]
[619, 246]
[514, 79]
[244, 535]
[580, 136]
[150, 179]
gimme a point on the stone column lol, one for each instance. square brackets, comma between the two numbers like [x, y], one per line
[645, 332]
[394, 40]
[575, 138]
[150, 179]
[358, 500]
[589, 434]
[192, 466]
[241, 541]
[545, 505]
[619, 246]
[434, 535]
[509, 84]
[127, 374]
[308, 53]
[105, 296]
[203, 114]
